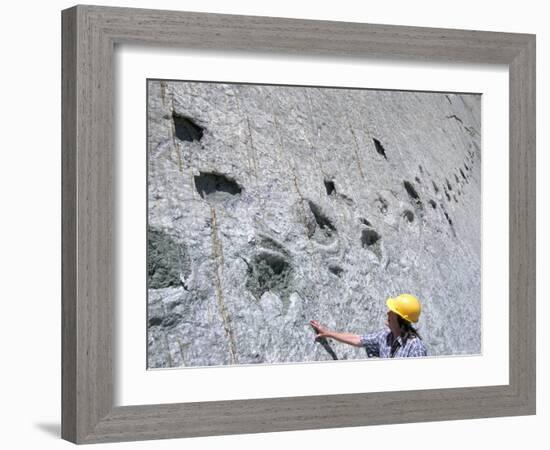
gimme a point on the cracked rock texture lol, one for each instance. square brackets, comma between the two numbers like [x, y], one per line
[269, 206]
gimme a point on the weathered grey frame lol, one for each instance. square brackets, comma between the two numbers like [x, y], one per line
[89, 36]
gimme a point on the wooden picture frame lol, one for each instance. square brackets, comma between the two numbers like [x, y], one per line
[89, 36]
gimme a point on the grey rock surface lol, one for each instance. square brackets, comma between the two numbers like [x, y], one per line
[269, 206]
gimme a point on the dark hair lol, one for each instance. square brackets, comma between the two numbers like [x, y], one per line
[407, 330]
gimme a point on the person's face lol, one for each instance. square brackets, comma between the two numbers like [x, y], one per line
[392, 320]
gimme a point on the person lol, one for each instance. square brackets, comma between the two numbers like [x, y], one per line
[399, 340]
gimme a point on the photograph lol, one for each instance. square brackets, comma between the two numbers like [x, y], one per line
[300, 224]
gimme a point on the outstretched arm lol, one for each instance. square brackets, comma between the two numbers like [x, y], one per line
[346, 338]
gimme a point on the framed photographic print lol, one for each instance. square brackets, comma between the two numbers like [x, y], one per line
[261, 215]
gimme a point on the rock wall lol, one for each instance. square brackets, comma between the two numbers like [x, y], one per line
[269, 206]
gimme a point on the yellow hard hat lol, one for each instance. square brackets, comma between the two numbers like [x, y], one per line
[405, 305]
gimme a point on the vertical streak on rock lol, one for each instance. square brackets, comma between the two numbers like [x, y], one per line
[217, 250]
[313, 132]
[282, 161]
[175, 141]
[290, 167]
[356, 150]
[182, 351]
[163, 91]
[254, 159]
[356, 143]
[178, 150]
[278, 131]
[366, 130]
[304, 209]
[170, 362]
[281, 148]
[302, 199]
[242, 112]
[166, 343]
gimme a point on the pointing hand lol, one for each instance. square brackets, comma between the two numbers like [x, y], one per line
[321, 331]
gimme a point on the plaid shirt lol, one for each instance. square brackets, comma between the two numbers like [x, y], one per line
[381, 344]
